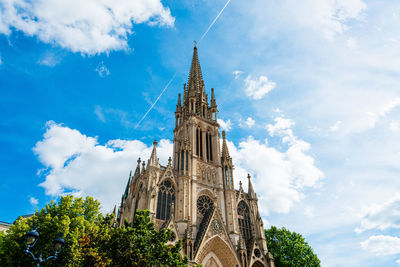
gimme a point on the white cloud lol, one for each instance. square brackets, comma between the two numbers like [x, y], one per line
[237, 73]
[49, 60]
[258, 88]
[394, 126]
[88, 27]
[283, 128]
[250, 122]
[351, 43]
[78, 164]
[336, 126]
[225, 125]
[102, 70]
[309, 211]
[382, 245]
[382, 216]
[33, 201]
[99, 113]
[280, 176]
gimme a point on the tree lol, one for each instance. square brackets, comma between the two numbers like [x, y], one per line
[90, 238]
[290, 249]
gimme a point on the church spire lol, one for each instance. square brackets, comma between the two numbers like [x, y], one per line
[153, 161]
[195, 82]
[250, 189]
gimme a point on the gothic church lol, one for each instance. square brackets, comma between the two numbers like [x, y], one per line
[194, 194]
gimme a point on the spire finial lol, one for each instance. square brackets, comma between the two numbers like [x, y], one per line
[155, 142]
[195, 44]
[223, 134]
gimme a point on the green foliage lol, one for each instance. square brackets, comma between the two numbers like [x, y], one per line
[90, 238]
[290, 249]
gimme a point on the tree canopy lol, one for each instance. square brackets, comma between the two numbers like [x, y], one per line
[290, 249]
[90, 238]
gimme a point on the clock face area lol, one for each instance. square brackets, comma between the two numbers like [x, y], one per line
[204, 204]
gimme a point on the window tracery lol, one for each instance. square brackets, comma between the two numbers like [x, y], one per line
[166, 197]
[244, 220]
[204, 204]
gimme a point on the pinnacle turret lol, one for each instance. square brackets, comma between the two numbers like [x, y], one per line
[179, 105]
[225, 151]
[213, 104]
[153, 161]
[137, 171]
[250, 190]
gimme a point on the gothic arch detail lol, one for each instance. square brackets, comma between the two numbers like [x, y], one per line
[244, 220]
[165, 200]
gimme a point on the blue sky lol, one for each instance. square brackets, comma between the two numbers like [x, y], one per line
[308, 92]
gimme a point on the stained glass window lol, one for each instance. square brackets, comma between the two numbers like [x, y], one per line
[166, 196]
[204, 203]
[244, 220]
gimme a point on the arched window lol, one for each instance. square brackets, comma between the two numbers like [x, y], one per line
[210, 144]
[230, 173]
[197, 142]
[226, 177]
[244, 220]
[207, 148]
[166, 196]
[187, 161]
[182, 159]
[201, 143]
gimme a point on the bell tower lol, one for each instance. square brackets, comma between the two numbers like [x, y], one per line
[197, 155]
[194, 194]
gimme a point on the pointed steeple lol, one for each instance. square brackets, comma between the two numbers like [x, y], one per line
[143, 166]
[213, 104]
[153, 161]
[250, 190]
[225, 151]
[137, 171]
[179, 106]
[195, 83]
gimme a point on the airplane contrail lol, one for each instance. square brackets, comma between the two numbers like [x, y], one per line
[165, 88]
[212, 23]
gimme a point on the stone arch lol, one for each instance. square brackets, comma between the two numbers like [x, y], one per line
[206, 192]
[220, 250]
[211, 260]
[169, 178]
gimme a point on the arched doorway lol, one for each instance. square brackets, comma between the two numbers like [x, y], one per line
[211, 260]
[219, 251]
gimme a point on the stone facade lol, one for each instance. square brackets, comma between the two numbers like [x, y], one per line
[194, 194]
